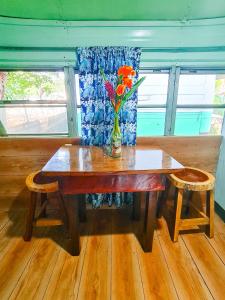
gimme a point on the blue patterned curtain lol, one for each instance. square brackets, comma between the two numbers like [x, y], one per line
[96, 110]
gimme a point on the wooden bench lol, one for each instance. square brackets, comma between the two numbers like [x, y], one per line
[39, 184]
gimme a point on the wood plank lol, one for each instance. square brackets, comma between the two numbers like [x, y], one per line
[42, 269]
[33, 146]
[186, 277]
[33, 282]
[65, 280]
[11, 232]
[195, 151]
[3, 219]
[96, 276]
[14, 201]
[12, 184]
[208, 263]
[126, 275]
[154, 270]
[13, 263]
[21, 165]
[218, 244]
[219, 224]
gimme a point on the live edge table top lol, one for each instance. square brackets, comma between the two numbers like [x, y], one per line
[75, 160]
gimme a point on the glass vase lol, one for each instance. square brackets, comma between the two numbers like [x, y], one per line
[116, 139]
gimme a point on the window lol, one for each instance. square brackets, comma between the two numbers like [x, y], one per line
[33, 102]
[171, 101]
[200, 104]
[152, 97]
[78, 103]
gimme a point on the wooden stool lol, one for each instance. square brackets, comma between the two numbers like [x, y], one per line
[38, 184]
[193, 180]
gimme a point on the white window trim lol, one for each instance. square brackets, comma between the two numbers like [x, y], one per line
[171, 105]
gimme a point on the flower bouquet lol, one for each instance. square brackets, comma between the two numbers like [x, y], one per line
[118, 97]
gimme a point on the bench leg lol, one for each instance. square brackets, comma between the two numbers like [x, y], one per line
[178, 207]
[210, 213]
[30, 216]
[44, 199]
[72, 206]
[189, 198]
[149, 220]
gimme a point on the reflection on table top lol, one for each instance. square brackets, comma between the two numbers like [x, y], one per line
[74, 160]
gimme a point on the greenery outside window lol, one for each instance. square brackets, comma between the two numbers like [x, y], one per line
[33, 102]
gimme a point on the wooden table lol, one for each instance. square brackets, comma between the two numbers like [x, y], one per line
[83, 170]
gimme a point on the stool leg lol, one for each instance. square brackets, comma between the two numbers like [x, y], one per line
[210, 213]
[189, 197]
[30, 216]
[44, 198]
[178, 207]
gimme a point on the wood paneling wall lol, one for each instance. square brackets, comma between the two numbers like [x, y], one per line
[198, 151]
[20, 156]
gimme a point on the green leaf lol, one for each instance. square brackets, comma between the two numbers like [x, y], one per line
[103, 74]
[131, 91]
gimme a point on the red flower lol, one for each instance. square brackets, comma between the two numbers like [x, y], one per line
[110, 90]
[128, 82]
[120, 89]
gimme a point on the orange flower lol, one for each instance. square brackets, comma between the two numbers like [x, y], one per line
[128, 82]
[125, 71]
[132, 73]
[120, 89]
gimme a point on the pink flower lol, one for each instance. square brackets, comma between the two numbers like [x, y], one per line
[110, 90]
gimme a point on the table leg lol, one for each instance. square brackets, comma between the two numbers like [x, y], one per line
[136, 210]
[82, 208]
[72, 205]
[163, 195]
[149, 220]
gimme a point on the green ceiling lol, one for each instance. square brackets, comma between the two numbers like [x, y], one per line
[96, 10]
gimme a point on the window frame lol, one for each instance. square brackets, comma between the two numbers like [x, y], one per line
[38, 103]
[72, 106]
[196, 71]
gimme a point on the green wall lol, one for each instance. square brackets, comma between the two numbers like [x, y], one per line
[164, 43]
[97, 10]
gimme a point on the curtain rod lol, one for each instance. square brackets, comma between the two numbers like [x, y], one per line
[144, 49]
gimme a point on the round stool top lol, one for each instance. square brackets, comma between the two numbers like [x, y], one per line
[193, 179]
[38, 183]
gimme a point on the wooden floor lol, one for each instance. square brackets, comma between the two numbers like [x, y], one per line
[112, 264]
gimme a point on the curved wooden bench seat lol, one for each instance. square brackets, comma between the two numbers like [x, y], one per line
[39, 184]
[191, 180]
[35, 182]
